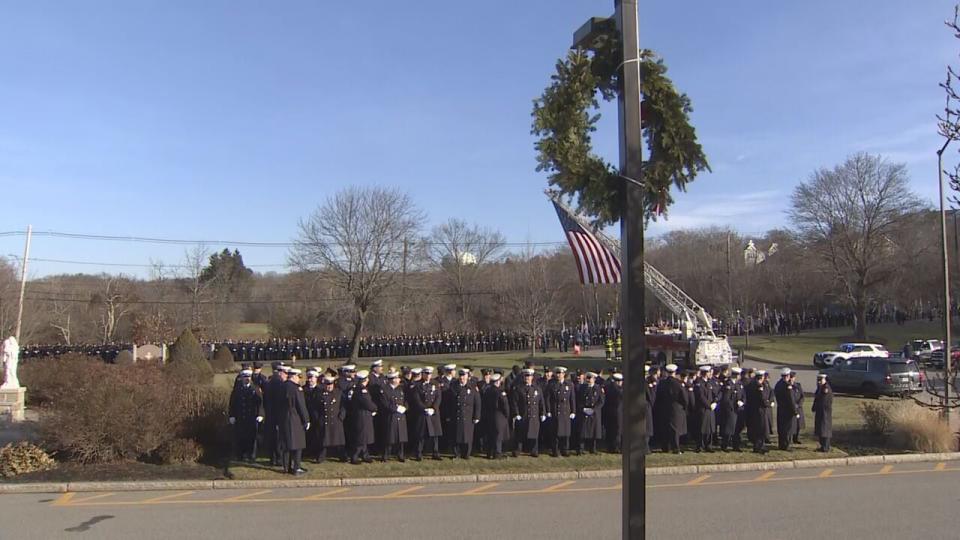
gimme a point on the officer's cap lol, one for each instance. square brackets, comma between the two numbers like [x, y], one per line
[449, 367]
[705, 369]
[428, 369]
[363, 374]
[784, 372]
[464, 371]
[416, 370]
[245, 373]
[561, 369]
[312, 373]
[286, 369]
[671, 368]
[393, 374]
[618, 376]
[496, 377]
[761, 372]
[591, 375]
[349, 367]
[377, 363]
[736, 370]
[294, 371]
[329, 379]
[528, 371]
[822, 376]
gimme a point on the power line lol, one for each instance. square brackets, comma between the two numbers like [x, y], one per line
[134, 265]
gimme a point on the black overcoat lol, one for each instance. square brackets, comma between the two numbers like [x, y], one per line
[590, 426]
[293, 417]
[731, 392]
[330, 418]
[360, 416]
[823, 412]
[560, 401]
[786, 409]
[527, 403]
[495, 410]
[466, 411]
[393, 404]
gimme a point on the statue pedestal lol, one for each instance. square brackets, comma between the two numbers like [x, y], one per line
[12, 404]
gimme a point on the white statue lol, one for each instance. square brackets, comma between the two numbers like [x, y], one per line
[9, 353]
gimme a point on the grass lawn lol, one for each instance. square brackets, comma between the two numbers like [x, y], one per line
[798, 350]
[849, 440]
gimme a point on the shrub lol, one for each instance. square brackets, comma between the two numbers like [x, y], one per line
[24, 457]
[177, 451]
[187, 362]
[205, 419]
[222, 360]
[50, 379]
[920, 429]
[114, 412]
[876, 418]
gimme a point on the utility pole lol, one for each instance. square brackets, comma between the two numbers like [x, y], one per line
[403, 290]
[23, 281]
[729, 279]
[632, 290]
[946, 289]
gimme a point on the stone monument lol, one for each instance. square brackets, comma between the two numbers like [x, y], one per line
[12, 395]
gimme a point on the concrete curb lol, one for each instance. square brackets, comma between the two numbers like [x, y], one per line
[196, 485]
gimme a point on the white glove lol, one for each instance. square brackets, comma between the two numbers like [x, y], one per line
[307, 427]
[232, 420]
[572, 416]
[259, 419]
[429, 412]
[798, 416]
[401, 409]
[588, 411]
[740, 404]
[543, 418]
[476, 421]
[374, 413]
[773, 403]
[549, 415]
[713, 406]
[518, 418]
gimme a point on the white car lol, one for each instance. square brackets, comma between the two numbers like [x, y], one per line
[849, 350]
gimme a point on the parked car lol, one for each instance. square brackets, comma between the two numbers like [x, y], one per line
[936, 357]
[849, 350]
[876, 376]
[923, 349]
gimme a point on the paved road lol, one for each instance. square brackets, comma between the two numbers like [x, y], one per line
[902, 502]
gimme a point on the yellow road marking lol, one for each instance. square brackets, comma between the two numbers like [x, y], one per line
[68, 499]
[765, 476]
[403, 492]
[940, 467]
[886, 469]
[826, 474]
[168, 497]
[64, 499]
[88, 499]
[559, 486]
[249, 495]
[698, 480]
[319, 496]
[481, 489]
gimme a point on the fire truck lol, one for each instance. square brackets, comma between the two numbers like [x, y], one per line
[693, 342]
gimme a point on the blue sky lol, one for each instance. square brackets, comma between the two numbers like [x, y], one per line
[233, 119]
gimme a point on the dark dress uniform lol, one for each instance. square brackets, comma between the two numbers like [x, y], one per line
[245, 406]
[495, 410]
[560, 401]
[758, 411]
[447, 413]
[589, 416]
[393, 426]
[360, 420]
[703, 424]
[466, 414]
[527, 407]
[798, 398]
[613, 414]
[273, 399]
[731, 395]
[293, 420]
[423, 425]
[311, 395]
[823, 416]
[786, 414]
[671, 412]
[329, 423]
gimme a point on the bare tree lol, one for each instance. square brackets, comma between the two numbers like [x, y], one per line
[530, 295]
[461, 251]
[113, 304]
[195, 260]
[847, 216]
[355, 240]
[61, 316]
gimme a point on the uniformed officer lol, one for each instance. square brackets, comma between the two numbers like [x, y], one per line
[590, 399]
[347, 380]
[613, 412]
[757, 409]
[245, 415]
[447, 406]
[671, 409]
[730, 408]
[787, 414]
[528, 410]
[466, 413]
[798, 398]
[294, 421]
[495, 411]
[273, 403]
[425, 424]
[330, 419]
[311, 396]
[258, 379]
[823, 413]
[393, 409]
[360, 419]
[704, 406]
[560, 401]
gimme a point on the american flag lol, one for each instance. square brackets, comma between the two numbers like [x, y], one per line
[595, 263]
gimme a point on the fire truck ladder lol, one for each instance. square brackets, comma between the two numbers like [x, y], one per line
[672, 296]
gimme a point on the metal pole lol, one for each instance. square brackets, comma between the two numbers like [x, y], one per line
[633, 326]
[946, 288]
[23, 280]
